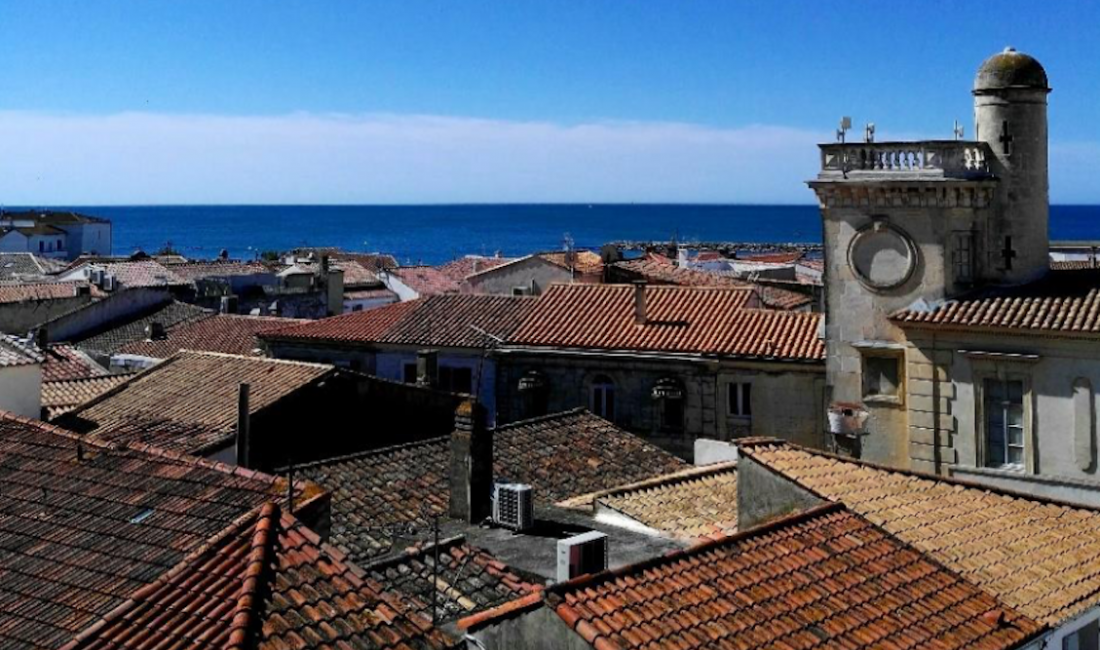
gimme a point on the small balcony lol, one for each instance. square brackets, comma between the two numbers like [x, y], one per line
[928, 160]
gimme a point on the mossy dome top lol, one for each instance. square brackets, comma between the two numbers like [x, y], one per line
[1011, 69]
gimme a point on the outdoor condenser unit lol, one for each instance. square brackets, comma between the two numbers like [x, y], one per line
[513, 506]
[581, 554]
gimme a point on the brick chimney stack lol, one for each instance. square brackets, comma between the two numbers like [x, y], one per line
[471, 471]
[639, 303]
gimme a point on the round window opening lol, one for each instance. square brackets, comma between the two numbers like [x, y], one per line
[882, 256]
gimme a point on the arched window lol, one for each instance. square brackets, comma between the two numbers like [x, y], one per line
[602, 401]
[535, 392]
[669, 395]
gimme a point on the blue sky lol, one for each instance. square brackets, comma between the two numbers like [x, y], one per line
[457, 100]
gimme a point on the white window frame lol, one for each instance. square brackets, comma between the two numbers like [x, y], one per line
[981, 419]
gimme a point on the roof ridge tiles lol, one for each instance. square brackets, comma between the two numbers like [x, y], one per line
[665, 480]
[749, 443]
[229, 355]
[244, 624]
[183, 565]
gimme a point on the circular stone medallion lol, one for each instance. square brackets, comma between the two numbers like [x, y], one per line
[882, 256]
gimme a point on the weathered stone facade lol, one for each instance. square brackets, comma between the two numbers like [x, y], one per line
[786, 397]
[913, 224]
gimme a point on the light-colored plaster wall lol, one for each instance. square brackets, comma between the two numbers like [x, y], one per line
[1050, 366]
[21, 390]
[533, 274]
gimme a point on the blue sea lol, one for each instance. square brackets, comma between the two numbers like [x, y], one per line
[434, 234]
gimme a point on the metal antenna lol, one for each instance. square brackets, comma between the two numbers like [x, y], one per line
[958, 130]
[845, 124]
[869, 132]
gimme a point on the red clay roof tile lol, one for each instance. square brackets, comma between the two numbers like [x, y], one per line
[678, 319]
[225, 333]
[822, 579]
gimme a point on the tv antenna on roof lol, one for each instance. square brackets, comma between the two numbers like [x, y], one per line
[958, 130]
[845, 124]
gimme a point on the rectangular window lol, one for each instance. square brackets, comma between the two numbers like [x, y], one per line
[1086, 638]
[962, 256]
[410, 373]
[881, 376]
[672, 413]
[456, 380]
[739, 402]
[1004, 423]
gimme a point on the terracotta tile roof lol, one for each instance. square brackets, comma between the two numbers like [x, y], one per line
[161, 405]
[1040, 557]
[443, 321]
[267, 582]
[772, 258]
[469, 579]
[197, 270]
[689, 505]
[680, 319]
[14, 351]
[585, 262]
[824, 579]
[780, 298]
[63, 361]
[367, 294]
[561, 456]
[425, 280]
[457, 270]
[27, 267]
[138, 273]
[226, 333]
[660, 269]
[369, 261]
[1072, 265]
[1064, 303]
[64, 395]
[117, 334]
[11, 293]
[80, 534]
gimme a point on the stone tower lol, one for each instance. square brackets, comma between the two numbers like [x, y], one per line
[908, 225]
[1010, 115]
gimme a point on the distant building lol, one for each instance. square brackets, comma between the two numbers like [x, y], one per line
[60, 235]
[672, 364]
[442, 341]
[20, 377]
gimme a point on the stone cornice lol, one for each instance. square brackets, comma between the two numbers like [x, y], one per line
[911, 194]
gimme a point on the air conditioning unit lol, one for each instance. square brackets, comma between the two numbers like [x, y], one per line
[513, 506]
[97, 277]
[108, 282]
[581, 554]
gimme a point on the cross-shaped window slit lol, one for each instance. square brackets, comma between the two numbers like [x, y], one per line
[1005, 139]
[1008, 254]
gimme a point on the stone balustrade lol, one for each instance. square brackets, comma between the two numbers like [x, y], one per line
[947, 158]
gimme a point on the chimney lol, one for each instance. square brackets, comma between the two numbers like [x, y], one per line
[639, 303]
[334, 289]
[475, 265]
[427, 368]
[244, 423]
[41, 338]
[154, 331]
[229, 305]
[471, 470]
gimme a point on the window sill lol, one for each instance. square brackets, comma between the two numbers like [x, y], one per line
[892, 400]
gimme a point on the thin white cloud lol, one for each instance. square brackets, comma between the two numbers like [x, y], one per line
[57, 159]
[312, 158]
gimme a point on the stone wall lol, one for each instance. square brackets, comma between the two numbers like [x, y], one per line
[946, 373]
[532, 274]
[786, 397]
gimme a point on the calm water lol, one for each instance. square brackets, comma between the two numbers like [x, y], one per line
[437, 233]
